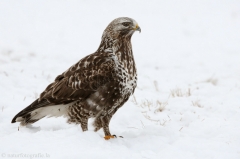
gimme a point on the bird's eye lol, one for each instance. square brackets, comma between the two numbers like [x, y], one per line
[126, 24]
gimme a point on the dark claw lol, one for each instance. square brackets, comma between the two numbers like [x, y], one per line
[116, 136]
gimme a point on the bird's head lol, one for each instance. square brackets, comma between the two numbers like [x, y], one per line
[122, 26]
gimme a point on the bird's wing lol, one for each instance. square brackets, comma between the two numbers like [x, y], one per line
[77, 83]
[80, 80]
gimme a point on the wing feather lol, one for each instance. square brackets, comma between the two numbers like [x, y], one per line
[80, 80]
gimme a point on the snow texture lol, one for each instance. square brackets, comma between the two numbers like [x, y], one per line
[186, 104]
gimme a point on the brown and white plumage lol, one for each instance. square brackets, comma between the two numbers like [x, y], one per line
[96, 86]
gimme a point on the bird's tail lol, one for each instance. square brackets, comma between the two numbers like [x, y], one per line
[38, 110]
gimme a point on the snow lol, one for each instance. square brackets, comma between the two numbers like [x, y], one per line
[187, 102]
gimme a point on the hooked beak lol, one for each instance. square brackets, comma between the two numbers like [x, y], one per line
[137, 28]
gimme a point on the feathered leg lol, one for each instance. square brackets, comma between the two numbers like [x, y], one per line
[103, 121]
[84, 123]
[78, 115]
[105, 124]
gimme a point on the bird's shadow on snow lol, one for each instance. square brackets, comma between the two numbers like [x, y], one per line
[34, 129]
[29, 128]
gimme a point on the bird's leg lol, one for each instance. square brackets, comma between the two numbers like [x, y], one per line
[105, 124]
[84, 123]
[78, 115]
[98, 123]
[103, 121]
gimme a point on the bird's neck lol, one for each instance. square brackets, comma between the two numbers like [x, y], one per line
[122, 48]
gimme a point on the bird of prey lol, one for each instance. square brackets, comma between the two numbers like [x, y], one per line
[95, 87]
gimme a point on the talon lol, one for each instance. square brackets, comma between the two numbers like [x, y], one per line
[109, 137]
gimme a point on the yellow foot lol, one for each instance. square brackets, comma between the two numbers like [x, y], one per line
[109, 137]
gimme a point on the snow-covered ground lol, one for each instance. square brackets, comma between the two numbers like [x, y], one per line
[186, 105]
